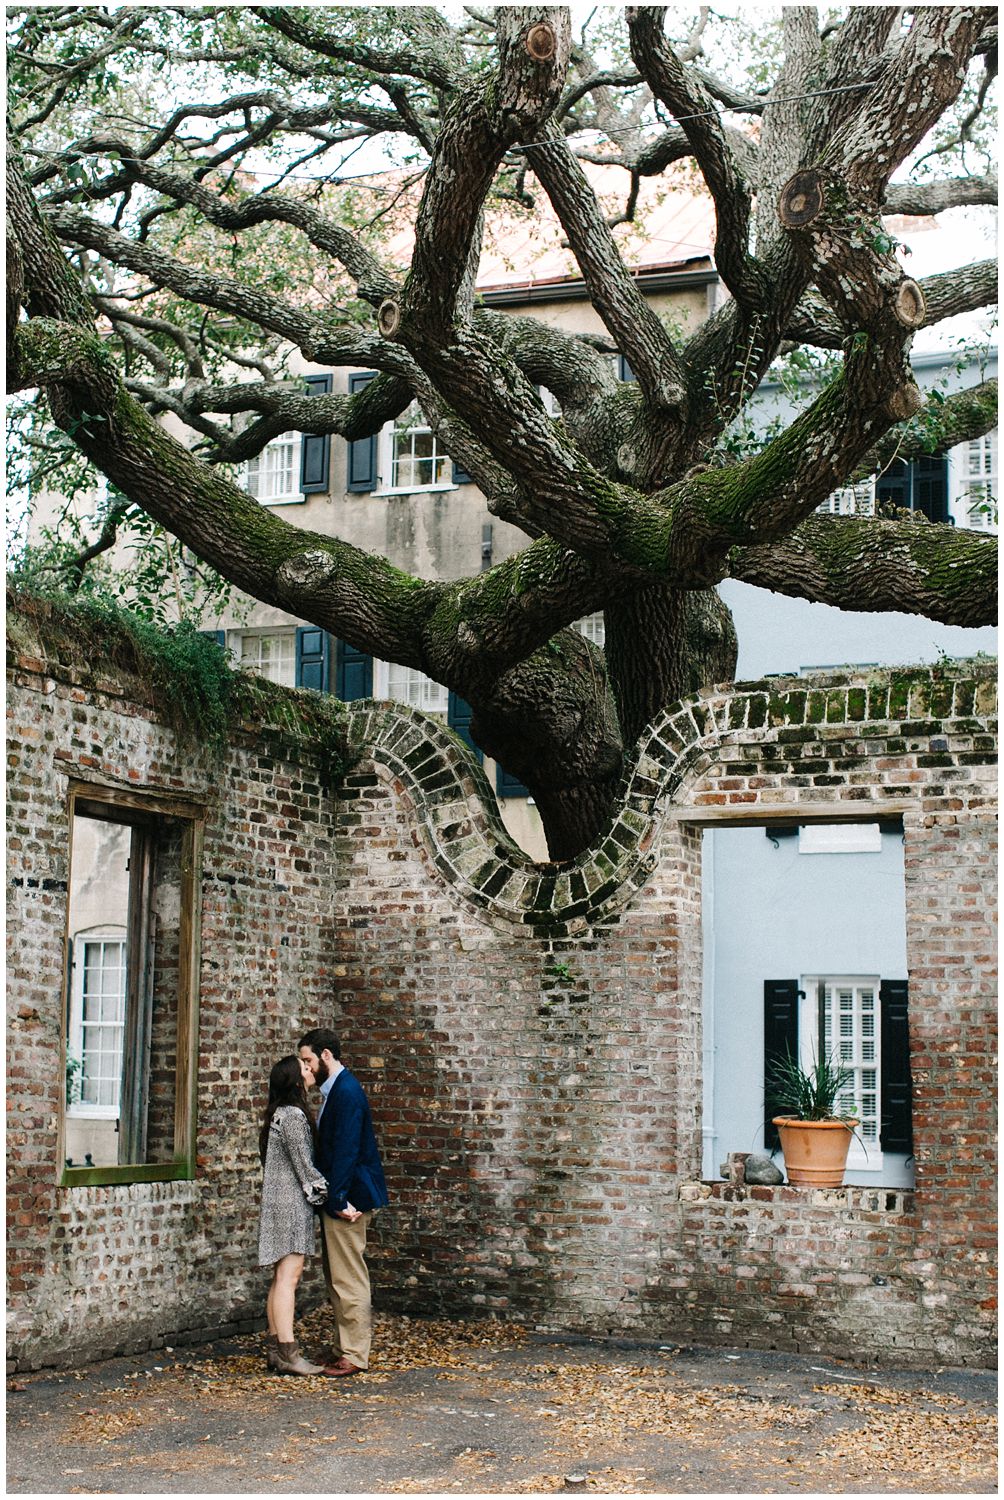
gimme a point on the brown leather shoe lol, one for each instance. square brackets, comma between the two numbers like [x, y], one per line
[343, 1366]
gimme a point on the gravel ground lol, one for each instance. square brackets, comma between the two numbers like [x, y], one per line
[483, 1408]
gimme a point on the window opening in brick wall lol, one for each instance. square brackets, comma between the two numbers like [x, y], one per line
[806, 956]
[130, 1015]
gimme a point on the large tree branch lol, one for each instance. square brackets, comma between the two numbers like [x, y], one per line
[633, 324]
[691, 104]
[925, 198]
[923, 77]
[425, 57]
[485, 120]
[311, 333]
[945, 295]
[865, 564]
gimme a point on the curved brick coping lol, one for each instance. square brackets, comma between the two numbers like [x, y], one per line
[468, 843]
[859, 1199]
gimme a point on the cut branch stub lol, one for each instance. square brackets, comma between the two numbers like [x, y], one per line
[802, 199]
[909, 305]
[389, 317]
[541, 42]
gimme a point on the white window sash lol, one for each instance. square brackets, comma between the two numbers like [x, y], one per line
[100, 938]
[391, 463]
[273, 478]
[411, 687]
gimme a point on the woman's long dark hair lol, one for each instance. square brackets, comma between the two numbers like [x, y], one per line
[285, 1086]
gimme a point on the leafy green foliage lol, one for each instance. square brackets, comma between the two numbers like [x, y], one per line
[808, 1094]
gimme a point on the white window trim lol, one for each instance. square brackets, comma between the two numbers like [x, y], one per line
[385, 467]
[859, 1158]
[106, 934]
[960, 480]
[381, 689]
[235, 646]
[291, 497]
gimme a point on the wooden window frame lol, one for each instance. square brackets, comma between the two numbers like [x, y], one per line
[93, 799]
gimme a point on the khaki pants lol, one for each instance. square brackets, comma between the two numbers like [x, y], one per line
[348, 1282]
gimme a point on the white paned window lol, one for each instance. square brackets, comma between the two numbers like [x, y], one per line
[273, 477]
[843, 1012]
[592, 627]
[977, 465]
[416, 460]
[851, 500]
[270, 654]
[97, 1022]
[840, 838]
[409, 685]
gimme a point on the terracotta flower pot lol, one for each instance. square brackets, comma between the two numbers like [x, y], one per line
[815, 1151]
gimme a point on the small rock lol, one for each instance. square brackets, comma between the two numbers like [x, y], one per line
[761, 1171]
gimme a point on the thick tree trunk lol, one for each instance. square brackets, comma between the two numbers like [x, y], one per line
[662, 644]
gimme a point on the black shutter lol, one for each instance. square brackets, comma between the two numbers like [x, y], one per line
[353, 673]
[458, 716]
[780, 1041]
[508, 785]
[893, 487]
[315, 448]
[930, 487]
[460, 474]
[313, 658]
[362, 475]
[624, 370]
[897, 1091]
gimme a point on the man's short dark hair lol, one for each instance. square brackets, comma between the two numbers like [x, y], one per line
[321, 1040]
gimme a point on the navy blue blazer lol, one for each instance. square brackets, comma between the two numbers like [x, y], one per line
[347, 1152]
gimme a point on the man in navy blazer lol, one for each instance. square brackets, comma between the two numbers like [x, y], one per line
[348, 1158]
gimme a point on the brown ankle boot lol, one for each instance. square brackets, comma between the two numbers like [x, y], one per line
[271, 1350]
[289, 1361]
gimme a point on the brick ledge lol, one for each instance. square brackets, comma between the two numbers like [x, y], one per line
[891, 1200]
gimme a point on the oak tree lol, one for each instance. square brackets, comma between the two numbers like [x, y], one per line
[176, 220]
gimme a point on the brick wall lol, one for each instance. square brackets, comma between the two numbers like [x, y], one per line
[530, 1036]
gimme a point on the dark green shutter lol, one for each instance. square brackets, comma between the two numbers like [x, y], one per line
[362, 474]
[219, 636]
[353, 673]
[780, 1041]
[458, 715]
[315, 448]
[313, 659]
[897, 1090]
[930, 487]
[508, 785]
[624, 370]
[460, 474]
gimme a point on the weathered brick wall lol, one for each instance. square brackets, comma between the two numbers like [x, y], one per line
[535, 1034]
[530, 1036]
[98, 1270]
